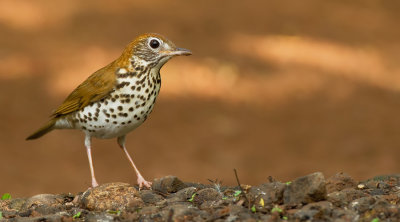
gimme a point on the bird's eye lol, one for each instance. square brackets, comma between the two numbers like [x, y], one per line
[154, 43]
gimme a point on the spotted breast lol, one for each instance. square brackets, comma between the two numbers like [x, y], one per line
[127, 106]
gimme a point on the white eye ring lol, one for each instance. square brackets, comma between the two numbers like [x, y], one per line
[154, 43]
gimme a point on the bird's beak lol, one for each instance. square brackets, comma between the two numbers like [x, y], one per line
[178, 52]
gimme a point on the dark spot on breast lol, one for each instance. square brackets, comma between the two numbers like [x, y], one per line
[122, 85]
[107, 120]
[123, 114]
[119, 108]
[115, 122]
[113, 99]
[114, 116]
[111, 110]
[122, 75]
[130, 109]
[133, 87]
[105, 112]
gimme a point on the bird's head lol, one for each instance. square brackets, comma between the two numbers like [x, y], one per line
[153, 49]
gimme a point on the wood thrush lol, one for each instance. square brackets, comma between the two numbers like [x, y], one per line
[118, 98]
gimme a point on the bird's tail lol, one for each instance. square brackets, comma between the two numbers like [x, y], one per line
[43, 130]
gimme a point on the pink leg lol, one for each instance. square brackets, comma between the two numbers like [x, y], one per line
[89, 154]
[140, 180]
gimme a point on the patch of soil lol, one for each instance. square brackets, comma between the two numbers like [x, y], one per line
[311, 197]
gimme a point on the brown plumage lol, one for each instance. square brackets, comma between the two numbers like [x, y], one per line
[89, 107]
[94, 88]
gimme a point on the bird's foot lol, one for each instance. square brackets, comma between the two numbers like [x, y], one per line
[143, 183]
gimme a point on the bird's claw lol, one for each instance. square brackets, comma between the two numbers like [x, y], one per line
[143, 183]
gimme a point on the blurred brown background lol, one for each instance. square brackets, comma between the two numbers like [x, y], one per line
[280, 88]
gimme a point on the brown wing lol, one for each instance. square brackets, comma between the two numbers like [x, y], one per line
[99, 85]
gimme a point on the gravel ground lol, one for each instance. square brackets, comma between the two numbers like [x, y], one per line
[308, 198]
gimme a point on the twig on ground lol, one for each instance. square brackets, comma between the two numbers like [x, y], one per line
[240, 187]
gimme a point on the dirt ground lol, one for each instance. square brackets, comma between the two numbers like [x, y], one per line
[280, 88]
[308, 198]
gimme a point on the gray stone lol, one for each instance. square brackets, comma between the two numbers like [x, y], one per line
[383, 208]
[99, 216]
[150, 197]
[362, 204]
[168, 184]
[318, 211]
[184, 212]
[271, 193]
[17, 204]
[344, 197]
[344, 215]
[111, 196]
[46, 200]
[207, 194]
[307, 189]
[182, 195]
[50, 217]
[339, 182]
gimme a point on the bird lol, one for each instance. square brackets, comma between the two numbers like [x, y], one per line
[117, 98]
